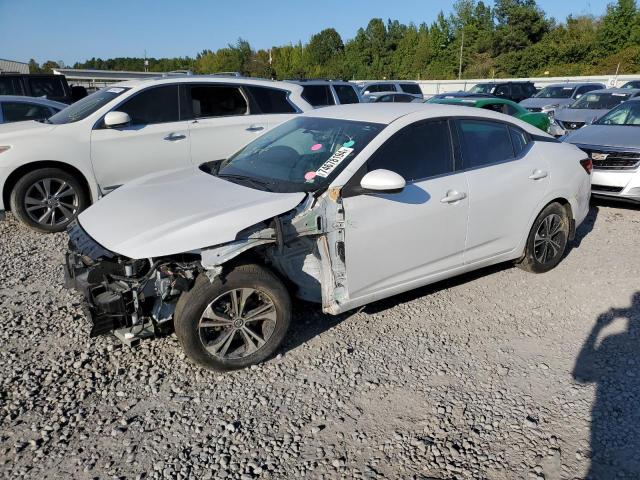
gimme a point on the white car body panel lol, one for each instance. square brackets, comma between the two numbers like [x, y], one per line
[70, 144]
[179, 211]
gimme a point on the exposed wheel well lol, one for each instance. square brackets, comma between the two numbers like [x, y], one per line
[30, 167]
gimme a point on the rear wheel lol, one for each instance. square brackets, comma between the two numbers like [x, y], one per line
[236, 322]
[547, 240]
[48, 199]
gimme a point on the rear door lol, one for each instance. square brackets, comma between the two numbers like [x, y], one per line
[157, 139]
[507, 181]
[396, 239]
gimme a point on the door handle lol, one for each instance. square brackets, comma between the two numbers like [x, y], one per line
[254, 128]
[453, 196]
[538, 174]
[172, 137]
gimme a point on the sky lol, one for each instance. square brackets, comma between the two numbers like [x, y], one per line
[76, 30]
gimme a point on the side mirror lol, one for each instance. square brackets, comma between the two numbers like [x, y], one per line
[383, 181]
[116, 119]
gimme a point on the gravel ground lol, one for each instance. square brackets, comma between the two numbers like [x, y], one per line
[499, 375]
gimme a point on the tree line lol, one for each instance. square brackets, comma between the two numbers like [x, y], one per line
[510, 38]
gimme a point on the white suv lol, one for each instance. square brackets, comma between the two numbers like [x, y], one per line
[51, 170]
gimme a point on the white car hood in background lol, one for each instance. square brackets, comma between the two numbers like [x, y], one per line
[179, 211]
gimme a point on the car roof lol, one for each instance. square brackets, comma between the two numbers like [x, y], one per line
[38, 100]
[387, 113]
[572, 84]
[630, 91]
[371, 82]
[293, 87]
[318, 81]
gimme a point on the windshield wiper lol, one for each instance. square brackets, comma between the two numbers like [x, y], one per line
[261, 184]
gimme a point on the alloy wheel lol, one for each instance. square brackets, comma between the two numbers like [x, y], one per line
[549, 239]
[51, 201]
[237, 323]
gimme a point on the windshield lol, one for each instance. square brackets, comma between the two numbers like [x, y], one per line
[625, 114]
[483, 88]
[302, 155]
[600, 101]
[632, 84]
[86, 106]
[556, 92]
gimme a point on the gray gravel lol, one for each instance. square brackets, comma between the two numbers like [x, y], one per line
[471, 378]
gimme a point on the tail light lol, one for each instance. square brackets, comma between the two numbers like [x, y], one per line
[587, 164]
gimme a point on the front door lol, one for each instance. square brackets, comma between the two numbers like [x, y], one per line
[392, 240]
[155, 140]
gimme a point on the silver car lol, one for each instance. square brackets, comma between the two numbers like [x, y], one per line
[391, 86]
[591, 106]
[341, 206]
[613, 144]
[15, 108]
[558, 95]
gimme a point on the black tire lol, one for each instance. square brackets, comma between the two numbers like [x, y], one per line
[193, 334]
[547, 240]
[64, 209]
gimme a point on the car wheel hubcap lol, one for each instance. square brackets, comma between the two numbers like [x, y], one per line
[238, 323]
[549, 240]
[51, 202]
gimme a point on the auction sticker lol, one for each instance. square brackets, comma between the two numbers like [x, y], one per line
[333, 161]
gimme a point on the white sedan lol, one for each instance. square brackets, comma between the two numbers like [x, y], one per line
[53, 169]
[341, 206]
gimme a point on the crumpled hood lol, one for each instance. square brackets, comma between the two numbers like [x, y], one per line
[534, 102]
[584, 115]
[178, 211]
[26, 128]
[606, 136]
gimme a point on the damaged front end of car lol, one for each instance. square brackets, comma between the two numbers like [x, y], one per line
[136, 298]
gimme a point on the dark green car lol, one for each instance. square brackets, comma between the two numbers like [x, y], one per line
[500, 105]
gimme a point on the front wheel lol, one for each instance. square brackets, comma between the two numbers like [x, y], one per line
[48, 199]
[547, 240]
[235, 321]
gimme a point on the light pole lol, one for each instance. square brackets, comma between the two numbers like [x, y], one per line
[461, 48]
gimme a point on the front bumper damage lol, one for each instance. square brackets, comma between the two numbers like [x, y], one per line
[124, 296]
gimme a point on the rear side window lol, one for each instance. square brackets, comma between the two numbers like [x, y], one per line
[10, 86]
[318, 95]
[346, 94]
[519, 140]
[587, 88]
[155, 105]
[419, 151]
[484, 143]
[270, 100]
[502, 91]
[411, 88]
[46, 87]
[18, 111]
[217, 101]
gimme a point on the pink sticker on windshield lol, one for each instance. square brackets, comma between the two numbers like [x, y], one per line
[316, 147]
[309, 176]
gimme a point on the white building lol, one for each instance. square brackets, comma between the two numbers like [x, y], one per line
[9, 66]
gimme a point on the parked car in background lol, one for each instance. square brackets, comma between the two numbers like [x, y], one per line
[590, 107]
[500, 105]
[341, 206]
[613, 144]
[632, 84]
[515, 91]
[52, 170]
[49, 86]
[14, 108]
[559, 95]
[324, 93]
[386, 86]
[390, 98]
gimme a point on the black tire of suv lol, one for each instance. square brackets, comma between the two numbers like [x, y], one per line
[193, 303]
[18, 195]
[529, 262]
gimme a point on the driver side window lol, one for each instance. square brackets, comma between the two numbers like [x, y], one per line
[154, 105]
[417, 152]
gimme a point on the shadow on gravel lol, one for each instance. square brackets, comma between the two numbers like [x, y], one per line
[612, 364]
[309, 321]
[584, 229]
